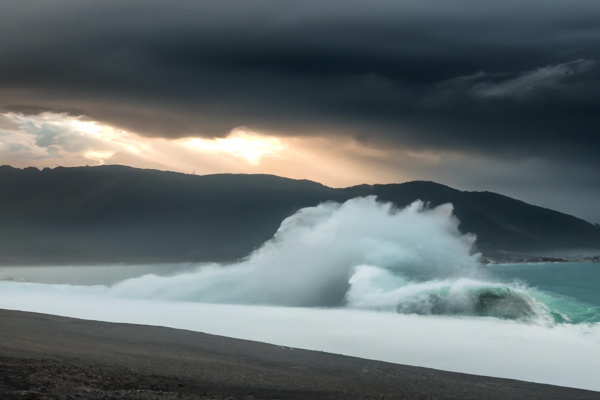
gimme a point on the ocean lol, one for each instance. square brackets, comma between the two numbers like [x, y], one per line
[570, 290]
[362, 279]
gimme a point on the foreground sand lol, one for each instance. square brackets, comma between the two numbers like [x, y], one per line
[49, 357]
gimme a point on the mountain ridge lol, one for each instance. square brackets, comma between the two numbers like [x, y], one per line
[119, 214]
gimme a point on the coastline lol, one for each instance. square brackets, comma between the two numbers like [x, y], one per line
[51, 357]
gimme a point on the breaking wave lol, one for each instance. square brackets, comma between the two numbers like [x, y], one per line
[468, 297]
[311, 258]
[362, 279]
[370, 255]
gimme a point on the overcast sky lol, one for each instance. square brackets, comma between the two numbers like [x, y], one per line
[501, 96]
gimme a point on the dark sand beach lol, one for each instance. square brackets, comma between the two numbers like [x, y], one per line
[50, 357]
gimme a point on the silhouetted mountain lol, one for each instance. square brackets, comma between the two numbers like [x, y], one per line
[128, 215]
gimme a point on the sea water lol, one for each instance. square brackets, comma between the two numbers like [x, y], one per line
[578, 281]
[363, 279]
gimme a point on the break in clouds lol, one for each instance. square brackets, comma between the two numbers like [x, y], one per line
[504, 78]
[481, 96]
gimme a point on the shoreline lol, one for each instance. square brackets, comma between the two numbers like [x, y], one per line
[51, 357]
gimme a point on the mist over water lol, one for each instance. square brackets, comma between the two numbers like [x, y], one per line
[321, 256]
[360, 278]
[360, 254]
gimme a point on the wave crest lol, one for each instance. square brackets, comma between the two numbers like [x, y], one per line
[364, 254]
[310, 259]
[376, 288]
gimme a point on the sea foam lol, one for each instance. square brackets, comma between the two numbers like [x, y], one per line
[360, 278]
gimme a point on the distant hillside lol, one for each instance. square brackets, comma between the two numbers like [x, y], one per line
[119, 214]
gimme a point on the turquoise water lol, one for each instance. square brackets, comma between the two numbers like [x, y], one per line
[570, 292]
[580, 281]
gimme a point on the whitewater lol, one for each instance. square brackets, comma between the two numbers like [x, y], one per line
[361, 278]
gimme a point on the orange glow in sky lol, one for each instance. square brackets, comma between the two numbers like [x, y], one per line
[249, 146]
[50, 140]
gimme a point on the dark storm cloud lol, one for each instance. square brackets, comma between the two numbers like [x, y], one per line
[505, 78]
